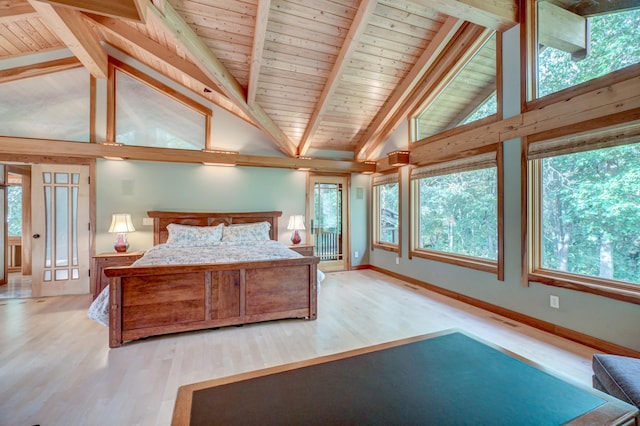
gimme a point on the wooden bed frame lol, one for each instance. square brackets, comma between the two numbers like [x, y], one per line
[154, 300]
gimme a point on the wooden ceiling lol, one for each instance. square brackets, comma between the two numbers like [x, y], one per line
[314, 75]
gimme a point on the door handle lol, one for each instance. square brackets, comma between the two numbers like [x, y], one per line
[36, 236]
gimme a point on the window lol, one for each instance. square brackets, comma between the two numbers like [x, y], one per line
[386, 202]
[584, 223]
[58, 107]
[14, 210]
[455, 211]
[149, 114]
[580, 44]
[468, 97]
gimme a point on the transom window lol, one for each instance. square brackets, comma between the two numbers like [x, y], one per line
[469, 95]
[149, 114]
[455, 211]
[588, 40]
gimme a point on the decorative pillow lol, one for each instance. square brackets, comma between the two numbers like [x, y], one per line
[187, 234]
[246, 232]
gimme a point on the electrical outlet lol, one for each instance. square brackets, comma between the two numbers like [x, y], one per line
[356, 254]
[397, 260]
[554, 301]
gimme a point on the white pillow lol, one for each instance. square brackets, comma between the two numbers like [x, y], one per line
[246, 232]
[195, 235]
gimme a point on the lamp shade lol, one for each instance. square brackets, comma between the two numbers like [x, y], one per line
[296, 222]
[121, 223]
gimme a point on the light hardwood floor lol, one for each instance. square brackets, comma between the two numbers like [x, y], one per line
[56, 367]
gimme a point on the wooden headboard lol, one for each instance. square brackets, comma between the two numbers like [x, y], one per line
[162, 219]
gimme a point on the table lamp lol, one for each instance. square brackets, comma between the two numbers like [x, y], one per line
[296, 223]
[121, 224]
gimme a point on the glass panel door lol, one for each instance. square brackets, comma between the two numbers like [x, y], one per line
[328, 212]
[60, 197]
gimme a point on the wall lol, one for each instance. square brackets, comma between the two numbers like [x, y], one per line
[596, 316]
[136, 187]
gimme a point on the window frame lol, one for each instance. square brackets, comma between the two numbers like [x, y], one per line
[534, 151]
[117, 66]
[378, 180]
[451, 74]
[465, 162]
[530, 64]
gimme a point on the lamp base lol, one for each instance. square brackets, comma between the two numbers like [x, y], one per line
[121, 245]
[295, 238]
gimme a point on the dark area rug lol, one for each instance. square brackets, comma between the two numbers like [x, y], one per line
[447, 380]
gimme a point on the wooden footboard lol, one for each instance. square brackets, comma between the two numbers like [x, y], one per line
[155, 300]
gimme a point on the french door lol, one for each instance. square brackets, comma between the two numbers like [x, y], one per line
[328, 209]
[60, 229]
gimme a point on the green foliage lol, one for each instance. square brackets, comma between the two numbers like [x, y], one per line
[458, 213]
[615, 44]
[14, 210]
[591, 213]
[389, 212]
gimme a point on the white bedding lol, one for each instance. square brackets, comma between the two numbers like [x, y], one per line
[188, 254]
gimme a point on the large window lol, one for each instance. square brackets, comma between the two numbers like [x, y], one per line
[469, 96]
[149, 114]
[584, 216]
[578, 44]
[386, 202]
[57, 106]
[455, 211]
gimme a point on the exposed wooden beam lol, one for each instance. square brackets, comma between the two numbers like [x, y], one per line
[618, 95]
[179, 31]
[41, 68]
[358, 26]
[561, 29]
[588, 8]
[132, 10]
[20, 147]
[70, 26]
[370, 139]
[499, 15]
[156, 52]
[259, 35]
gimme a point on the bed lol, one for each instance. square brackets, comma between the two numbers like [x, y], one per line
[154, 297]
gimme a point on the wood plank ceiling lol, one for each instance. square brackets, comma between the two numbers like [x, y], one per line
[314, 75]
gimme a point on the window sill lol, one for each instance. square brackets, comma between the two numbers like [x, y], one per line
[606, 288]
[387, 246]
[480, 264]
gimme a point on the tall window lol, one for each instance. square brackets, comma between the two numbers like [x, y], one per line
[583, 42]
[455, 211]
[386, 202]
[584, 220]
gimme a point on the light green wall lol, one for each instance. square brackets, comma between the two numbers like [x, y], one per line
[136, 187]
[600, 317]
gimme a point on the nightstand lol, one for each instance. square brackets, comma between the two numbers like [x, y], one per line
[303, 249]
[105, 260]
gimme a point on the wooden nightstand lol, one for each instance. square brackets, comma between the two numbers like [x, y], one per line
[303, 249]
[106, 260]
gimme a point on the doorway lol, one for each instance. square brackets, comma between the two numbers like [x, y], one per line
[328, 210]
[48, 241]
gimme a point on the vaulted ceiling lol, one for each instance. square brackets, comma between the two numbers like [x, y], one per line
[313, 75]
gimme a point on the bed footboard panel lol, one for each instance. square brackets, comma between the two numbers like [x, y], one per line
[148, 301]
